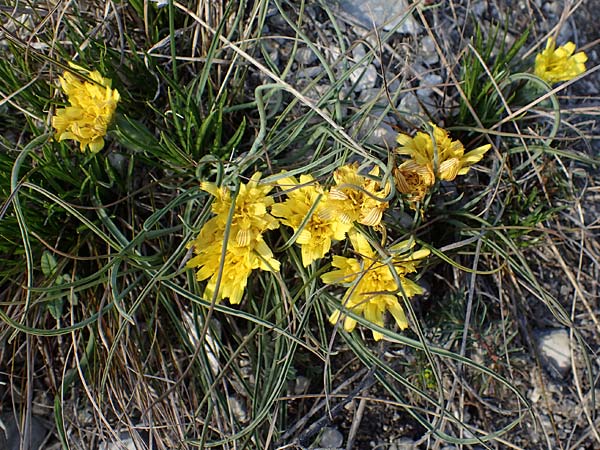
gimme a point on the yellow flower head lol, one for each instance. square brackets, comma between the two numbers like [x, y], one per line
[554, 65]
[414, 180]
[238, 264]
[250, 216]
[320, 228]
[91, 109]
[446, 158]
[246, 249]
[356, 198]
[373, 289]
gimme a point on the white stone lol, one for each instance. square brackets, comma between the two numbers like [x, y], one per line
[301, 385]
[388, 14]
[331, 438]
[238, 408]
[554, 348]
[305, 56]
[405, 444]
[365, 78]
[427, 84]
[428, 52]
[410, 106]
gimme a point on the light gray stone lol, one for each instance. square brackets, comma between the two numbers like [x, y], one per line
[409, 105]
[133, 440]
[427, 84]
[238, 408]
[554, 349]
[305, 56]
[125, 443]
[365, 78]
[405, 444]
[301, 385]
[388, 14]
[331, 438]
[428, 52]
[383, 136]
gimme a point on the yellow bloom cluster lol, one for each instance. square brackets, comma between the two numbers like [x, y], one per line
[315, 232]
[554, 65]
[355, 198]
[318, 216]
[373, 288]
[91, 109]
[244, 250]
[433, 157]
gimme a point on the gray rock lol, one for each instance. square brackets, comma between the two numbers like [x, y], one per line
[125, 442]
[388, 14]
[405, 444]
[364, 77]
[305, 56]
[410, 106]
[301, 385]
[373, 94]
[428, 82]
[428, 52]
[383, 136]
[309, 72]
[331, 438]
[554, 349]
[238, 408]
[478, 8]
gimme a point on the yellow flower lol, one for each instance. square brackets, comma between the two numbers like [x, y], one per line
[414, 180]
[320, 228]
[245, 250]
[91, 109]
[250, 215]
[356, 198]
[554, 65]
[373, 289]
[445, 157]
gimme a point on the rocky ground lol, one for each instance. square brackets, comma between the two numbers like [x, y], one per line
[400, 76]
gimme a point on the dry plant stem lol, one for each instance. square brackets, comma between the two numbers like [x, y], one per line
[588, 415]
[317, 426]
[538, 373]
[356, 420]
[515, 124]
[557, 89]
[572, 279]
[324, 115]
[320, 404]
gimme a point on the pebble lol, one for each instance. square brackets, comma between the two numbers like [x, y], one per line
[373, 94]
[364, 78]
[388, 14]
[124, 443]
[410, 106]
[331, 438]
[554, 349]
[383, 136]
[428, 53]
[428, 82]
[127, 442]
[305, 56]
[301, 385]
[238, 409]
[405, 444]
